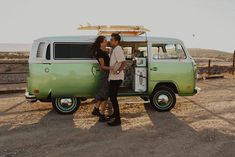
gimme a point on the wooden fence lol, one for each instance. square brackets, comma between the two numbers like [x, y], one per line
[9, 77]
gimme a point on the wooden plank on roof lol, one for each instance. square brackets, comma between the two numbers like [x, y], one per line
[122, 29]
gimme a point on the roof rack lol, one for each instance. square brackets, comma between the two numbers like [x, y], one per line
[127, 30]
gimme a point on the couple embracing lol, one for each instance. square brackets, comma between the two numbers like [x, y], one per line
[111, 77]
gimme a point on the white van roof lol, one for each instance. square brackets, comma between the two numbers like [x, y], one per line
[92, 38]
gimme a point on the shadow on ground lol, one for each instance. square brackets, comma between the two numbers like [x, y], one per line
[163, 134]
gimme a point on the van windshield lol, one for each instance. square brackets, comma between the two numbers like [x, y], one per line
[168, 51]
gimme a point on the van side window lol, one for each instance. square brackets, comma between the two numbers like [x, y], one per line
[73, 51]
[48, 53]
[128, 52]
[168, 51]
[40, 50]
[143, 51]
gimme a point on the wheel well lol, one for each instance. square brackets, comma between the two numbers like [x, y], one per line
[48, 99]
[49, 96]
[168, 84]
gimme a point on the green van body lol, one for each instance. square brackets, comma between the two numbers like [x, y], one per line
[80, 78]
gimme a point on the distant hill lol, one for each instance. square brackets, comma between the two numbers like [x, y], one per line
[12, 47]
[210, 54]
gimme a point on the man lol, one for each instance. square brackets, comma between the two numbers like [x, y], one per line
[116, 76]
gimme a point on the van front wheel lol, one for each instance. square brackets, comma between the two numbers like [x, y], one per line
[163, 99]
[66, 105]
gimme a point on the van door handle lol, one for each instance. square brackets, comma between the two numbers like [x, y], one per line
[153, 68]
[47, 63]
[94, 69]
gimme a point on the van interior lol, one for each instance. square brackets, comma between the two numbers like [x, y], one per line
[135, 80]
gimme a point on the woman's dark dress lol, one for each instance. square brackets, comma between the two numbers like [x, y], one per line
[103, 92]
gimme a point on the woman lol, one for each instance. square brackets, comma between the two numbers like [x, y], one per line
[101, 54]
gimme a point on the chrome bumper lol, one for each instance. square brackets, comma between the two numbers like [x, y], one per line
[197, 90]
[30, 97]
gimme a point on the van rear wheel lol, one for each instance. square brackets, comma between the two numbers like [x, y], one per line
[65, 105]
[163, 99]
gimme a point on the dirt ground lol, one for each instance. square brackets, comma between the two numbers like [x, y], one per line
[202, 125]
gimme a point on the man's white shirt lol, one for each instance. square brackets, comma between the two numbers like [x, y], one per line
[116, 57]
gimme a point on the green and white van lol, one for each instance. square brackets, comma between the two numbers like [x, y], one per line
[62, 70]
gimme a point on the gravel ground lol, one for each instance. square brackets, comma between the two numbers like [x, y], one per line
[201, 125]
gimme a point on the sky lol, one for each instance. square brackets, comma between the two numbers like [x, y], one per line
[206, 24]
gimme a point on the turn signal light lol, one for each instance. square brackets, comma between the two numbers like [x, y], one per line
[36, 91]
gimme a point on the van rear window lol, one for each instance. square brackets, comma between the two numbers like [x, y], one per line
[72, 51]
[40, 50]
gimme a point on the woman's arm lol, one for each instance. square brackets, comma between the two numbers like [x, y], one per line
[102, 66]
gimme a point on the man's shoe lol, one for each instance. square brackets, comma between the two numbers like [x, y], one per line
[116, 122]
[103, 118]
[96, 112]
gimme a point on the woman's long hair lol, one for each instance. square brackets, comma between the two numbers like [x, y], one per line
[96, 44]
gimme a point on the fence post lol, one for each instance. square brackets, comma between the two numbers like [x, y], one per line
[209, 67]
[233, 62]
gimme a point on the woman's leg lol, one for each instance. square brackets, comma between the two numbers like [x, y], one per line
[103, 107]
[103, 118]
[109, 107]
[97, 104]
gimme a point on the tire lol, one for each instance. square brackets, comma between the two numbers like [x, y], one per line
[163, 99]
[65, 105]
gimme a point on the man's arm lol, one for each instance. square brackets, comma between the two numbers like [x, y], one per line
[121, 60]
[102, 66]
[122, 67]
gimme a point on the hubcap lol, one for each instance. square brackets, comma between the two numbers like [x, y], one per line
[163, 99]
[66, 102]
